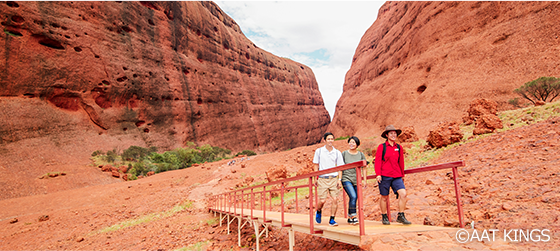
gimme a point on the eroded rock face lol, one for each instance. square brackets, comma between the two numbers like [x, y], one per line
[484, 114]
[422, 63]
[153, 74]
[445, 134]
[408, 135]
[487, 123]
[276, 173]
[479, 107]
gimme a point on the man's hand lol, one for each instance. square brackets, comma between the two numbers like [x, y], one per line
[378, 178]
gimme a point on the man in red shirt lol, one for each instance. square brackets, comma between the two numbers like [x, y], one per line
[389, 168]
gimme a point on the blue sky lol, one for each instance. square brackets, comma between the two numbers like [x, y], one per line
[320, 34]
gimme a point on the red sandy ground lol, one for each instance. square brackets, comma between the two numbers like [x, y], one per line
[511, 181]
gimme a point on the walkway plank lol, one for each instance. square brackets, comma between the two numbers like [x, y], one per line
[344, 232]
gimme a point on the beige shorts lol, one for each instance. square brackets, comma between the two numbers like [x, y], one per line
[326, 186]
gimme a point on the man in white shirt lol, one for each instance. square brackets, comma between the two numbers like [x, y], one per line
[328, 185]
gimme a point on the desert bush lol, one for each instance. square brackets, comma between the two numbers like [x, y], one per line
[543, 89]
[111, 156]
[137, 153]
[514, 102]
[145, 160]
[138, 168]
[188, 156]
[246, 152]
[97, 152]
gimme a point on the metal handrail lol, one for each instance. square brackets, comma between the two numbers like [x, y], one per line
[221, 200]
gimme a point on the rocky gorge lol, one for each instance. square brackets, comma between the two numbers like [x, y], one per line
[422, 63]
[161, 73]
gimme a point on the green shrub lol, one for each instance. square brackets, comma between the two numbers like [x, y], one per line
[342, 138]
[156, 158]
[145, 160]
[246, 152]
[111, 156]
[137, 153]
[138, 169]
[514, 102]
[543, 89]
[97, 152]
[188, 156]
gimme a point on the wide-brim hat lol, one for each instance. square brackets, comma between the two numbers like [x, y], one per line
[390, 128]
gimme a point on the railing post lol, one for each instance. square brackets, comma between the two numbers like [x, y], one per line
[360, 194]
[242, 206]
[316, 194]
[458, 197]
[282, 205]
[264, 203]
[297, 208]
[229, 202]
[252, 203]
[311, 222]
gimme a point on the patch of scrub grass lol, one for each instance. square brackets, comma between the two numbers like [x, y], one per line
[418, 156]
[212, 221]
[199, 246]
[291, 195]
[514, 118]
[146, 218]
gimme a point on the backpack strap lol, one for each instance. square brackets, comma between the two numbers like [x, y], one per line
[400, 149]
[384, 150]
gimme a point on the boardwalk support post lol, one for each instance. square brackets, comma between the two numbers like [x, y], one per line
[239, 230]
[229, 223]
[291, 238]
[259, 233]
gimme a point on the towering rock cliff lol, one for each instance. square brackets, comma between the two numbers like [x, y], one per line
[422, 63]
[151, 74]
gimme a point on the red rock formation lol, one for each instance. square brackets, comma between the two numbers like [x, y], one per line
[152, 73]
[445, 134]
[408, 135]
[276, 173]
[107, 168]
[487, 123]
[484, 114]
[422, 63]
[479, 107]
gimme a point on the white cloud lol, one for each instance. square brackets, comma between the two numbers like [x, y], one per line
[320, 34]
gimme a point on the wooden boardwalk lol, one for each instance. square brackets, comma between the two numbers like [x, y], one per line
[344, 232]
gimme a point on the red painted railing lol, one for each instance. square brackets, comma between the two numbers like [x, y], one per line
[231, 199]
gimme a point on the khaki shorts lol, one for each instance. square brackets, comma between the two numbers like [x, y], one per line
[326, 186]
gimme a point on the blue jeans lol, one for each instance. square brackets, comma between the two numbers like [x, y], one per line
[352, 192]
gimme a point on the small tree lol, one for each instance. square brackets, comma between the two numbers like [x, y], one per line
[542, 89]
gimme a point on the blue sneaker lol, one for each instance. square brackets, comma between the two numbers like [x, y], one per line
[318, 218]
[333, 223]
